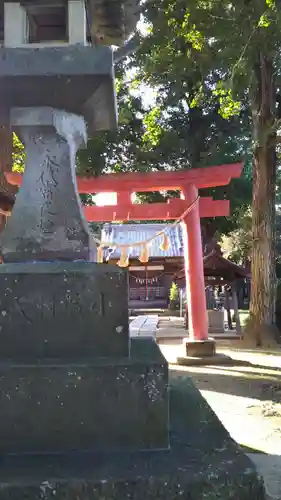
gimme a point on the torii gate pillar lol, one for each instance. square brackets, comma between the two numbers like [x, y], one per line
[197, 344]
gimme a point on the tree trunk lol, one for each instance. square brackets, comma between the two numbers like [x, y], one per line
[262, 305]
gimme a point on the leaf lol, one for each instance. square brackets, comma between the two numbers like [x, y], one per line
[264, 22]
[195, 38]
[271, 4]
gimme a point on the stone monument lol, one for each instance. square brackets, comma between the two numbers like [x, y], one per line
[85, 411]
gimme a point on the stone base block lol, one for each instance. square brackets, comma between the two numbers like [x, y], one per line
[199, 348]
[202, 353]
[202, 463]
[98, 405]
[217, 359]
[63, 310]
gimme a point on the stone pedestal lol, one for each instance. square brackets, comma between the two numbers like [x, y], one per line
[74, 380]
[202, 352]
[197, 348]
[47, 222]
[63, 310]
[90, 405]
[202, 463]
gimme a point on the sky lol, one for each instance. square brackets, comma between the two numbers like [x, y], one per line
[103, 199]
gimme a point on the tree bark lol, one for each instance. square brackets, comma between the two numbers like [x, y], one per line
[263, 288]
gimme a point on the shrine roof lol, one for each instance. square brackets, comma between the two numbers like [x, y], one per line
[133, 233]
[215, 264]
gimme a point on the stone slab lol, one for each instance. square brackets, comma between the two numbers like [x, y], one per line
[97, 405]
[203, 463]
[77, 79]
[63, 310]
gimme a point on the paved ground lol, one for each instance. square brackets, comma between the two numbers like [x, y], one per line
[247, 399]
[173, 327]
[143, 326]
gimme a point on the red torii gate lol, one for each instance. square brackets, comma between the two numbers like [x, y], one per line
[187, 182]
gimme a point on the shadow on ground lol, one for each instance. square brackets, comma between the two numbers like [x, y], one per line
[250, 381]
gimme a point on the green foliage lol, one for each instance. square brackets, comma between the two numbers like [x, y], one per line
[174, 295]
[174, 292]
[237, 245]
[172, 135]
[183, 59]
[228, 106]
[152, 126]
[119, 150]
[200, 56]
[206, 35]
[18, 155]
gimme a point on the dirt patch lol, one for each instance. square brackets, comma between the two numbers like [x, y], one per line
[246, 396]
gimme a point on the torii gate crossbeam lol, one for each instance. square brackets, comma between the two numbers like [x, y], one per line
[133, 182]
[154, 211]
